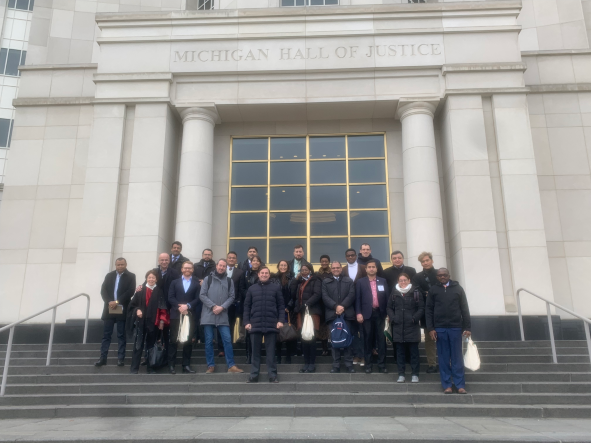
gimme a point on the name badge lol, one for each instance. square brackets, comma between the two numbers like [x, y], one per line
[380, 287]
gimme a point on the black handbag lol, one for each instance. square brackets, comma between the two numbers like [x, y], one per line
[288, 332]
[157, 355]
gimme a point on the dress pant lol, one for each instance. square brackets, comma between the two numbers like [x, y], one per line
[309, 351]
[256, 339]
[173, 344]
[149, 340]
[347, 352]
[358, 342]
[451, 359]
[430, 350]
[226, 339]
[108, 326]
[290, 348]
[415, 363]
[373, 331]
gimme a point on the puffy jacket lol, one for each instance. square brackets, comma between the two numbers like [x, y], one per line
[312, 296]
[338, 293]
[203, 269]
[264, 307]
[447, 307]
[405, 312]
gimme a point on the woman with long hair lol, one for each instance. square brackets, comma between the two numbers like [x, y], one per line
[283, 277]
[251, 277]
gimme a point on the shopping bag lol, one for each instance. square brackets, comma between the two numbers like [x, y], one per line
[288, 332]
[308, 327]
[387, 330]
[236, 333]
[184, 329]
[471, 357]
[157, 355]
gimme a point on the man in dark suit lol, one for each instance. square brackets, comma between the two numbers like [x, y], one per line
[252, 251]
[176, 258]
[398, 267]
[372, 297]
[353, 269]
[205, 266]
[295, 264]
[183, 297]
[116, 291]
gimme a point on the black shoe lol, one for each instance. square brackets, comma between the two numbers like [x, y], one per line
[120, 363]
[383, 370]
[151, 371]
[325, 353]
[101, 362]
[335, 370]
[310, 371]
[171, 369]
[287, 360]
[368, 369]
[278, 360]
[432, 370]
[132, 372]
[144, 362]
[273, 380]
[350, 370]
[188, 370]
[252, 380]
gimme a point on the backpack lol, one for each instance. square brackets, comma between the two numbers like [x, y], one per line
[340, 336]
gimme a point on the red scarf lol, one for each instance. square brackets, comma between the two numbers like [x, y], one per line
[148, 296]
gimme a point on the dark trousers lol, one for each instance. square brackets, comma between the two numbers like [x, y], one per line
[256, 339]
[290, 348]
[358, 342]
[373, 332]
[309, 351]
[348, 352]
[415, 363]
[173, 345]
[109, 325]
[148, 340]
[451, 359]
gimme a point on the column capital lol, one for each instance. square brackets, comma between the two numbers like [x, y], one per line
[205, 111]
[419, 105]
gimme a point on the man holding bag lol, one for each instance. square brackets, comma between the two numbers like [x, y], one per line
[338, 295]
[448, 315]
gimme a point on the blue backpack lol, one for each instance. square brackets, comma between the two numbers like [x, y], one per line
[340, 336]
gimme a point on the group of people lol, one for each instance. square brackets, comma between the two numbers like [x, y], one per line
[246, 301]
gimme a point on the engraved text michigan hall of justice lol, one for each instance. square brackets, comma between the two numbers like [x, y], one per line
[236, 55]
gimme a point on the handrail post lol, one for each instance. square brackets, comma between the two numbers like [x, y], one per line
[588, 338]
[86, 320]
[520, 316]
[48, 362]
[551, 333]
[7, 361]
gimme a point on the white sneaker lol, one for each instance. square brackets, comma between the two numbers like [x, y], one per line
[401, 379]
[415, 379]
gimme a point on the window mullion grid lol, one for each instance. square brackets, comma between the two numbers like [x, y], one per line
[347, 179]
[268, 199]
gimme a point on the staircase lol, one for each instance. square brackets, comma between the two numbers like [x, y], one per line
[516, 379]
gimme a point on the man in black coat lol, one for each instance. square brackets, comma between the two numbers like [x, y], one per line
[353, 268]
[176, 258]
[365, 256]
[338, 295]
[398, 267]
[183, 297]
[370, 305]
[116, 291]
[252, 251]
[448, 320]
[234, 311]
[295, 264]
[205, 266]
[264, 311]
[424, 280]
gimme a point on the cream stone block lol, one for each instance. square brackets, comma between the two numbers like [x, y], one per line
[579, 278]
[556, 69]
[40, 256]
[103, 175]
[550, 37]
[57, 162]
[546, 12]
[475, 205]
[537, 121]
[33, 299]
[133, 89]
[526, 238]
[91, 269]
[141, 243]
[551, 214]
[478, 239]
[514, 141]
[532, 74]
[63, 116]
[546, 183]
[564, 120]
[574, 34]
[528, 40]
[573, 181]
[148, 140]
[49, 224]
[66, 290]
[202, 90]
[517, 167]
[415, 135]
[555, 249]
[16, 219]
[12, 276]
[105, 143]
[483, 281]
[53, 192]
[20, 193]
[561, 283]
[61, 23]
[27, 133]
[220, 212]
[468, 134]
[95, 245]
[577, 249]
[424, 232]
[34, 84]
[31, 116]
[25, 160]
[575, 214]
[98, 209]
[394, 87]
[13, 256]
[522, 202]
[136, 222]
[569, 155]
[136, 57]
[67, 83]
[535, 104]
[476, 167]
[542, 152]
[561, 103]
[482, 47]
[526, 265]
[581, 66]
[73, 224]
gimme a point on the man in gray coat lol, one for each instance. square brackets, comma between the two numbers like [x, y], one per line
[217, 295]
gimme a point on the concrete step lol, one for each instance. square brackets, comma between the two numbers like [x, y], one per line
[299, 410]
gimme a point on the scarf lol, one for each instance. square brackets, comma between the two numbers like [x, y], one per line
[302, 287]
[405, 290]
[151, 287]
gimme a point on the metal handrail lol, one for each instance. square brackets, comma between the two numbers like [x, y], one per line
[49, 348]
[586, 321]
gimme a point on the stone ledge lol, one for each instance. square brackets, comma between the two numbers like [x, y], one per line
[57, 67]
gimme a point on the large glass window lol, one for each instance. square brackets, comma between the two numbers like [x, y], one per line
[327, 193]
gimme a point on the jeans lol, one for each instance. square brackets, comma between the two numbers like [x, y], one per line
[226, 338]
[256, 339]
[348, 352]
[373, 331]
[232, 321]
[451, 359]
[109, 324]
[415, 362]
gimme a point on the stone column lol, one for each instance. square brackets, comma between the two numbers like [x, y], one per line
[422, 195]
[195, 195]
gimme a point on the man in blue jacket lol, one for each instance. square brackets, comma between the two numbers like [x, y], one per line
[370, 305]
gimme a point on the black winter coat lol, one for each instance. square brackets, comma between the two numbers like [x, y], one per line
[392, 273]
[338, 293]
[405, 311]
[125, 291]
[264, 307]
[447, 307]
[157, 301]
[203, 269]
[363, 261]
[287, 300]
[425, 279]
[178, 264]
[312, 296]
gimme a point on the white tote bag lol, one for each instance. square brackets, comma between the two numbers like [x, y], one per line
[308, 327]
[184, 329]
[471, 357]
